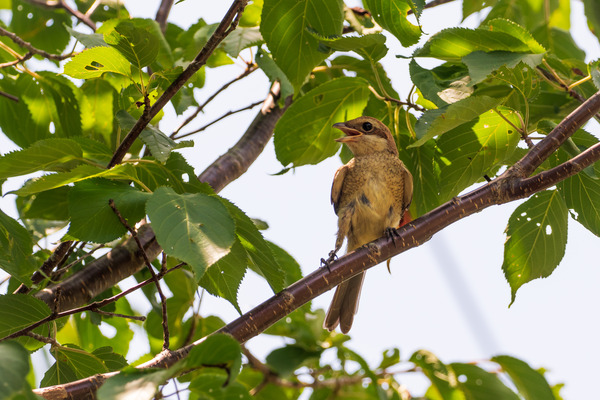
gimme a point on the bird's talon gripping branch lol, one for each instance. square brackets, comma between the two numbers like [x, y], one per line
[392, 233]
[332, 257]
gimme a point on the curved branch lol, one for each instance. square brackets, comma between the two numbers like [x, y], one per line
[162, 14]
[508, 187]
[227, 25]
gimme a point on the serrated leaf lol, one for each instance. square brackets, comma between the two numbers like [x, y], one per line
[531, 384]
[160, 145]
[482, 64]
[274, 73]
[304, 135]
[44, 155]
[517, 31]
[453, 44]
[89, 40]
[217, 349]
[139, 44]
[16, 248]
[49, 205]
[111, 360]
[392, 16]
[290, 266]
[18, 311]
[294, 49]
[437, 122]
[257, 248]
[240, 39]
[443, 379]
[92, 63]
[594, 72]
[79, 173]
[476, 383]
[97, 111]
[371, 47]
[93, 220]
[62, 91]
[14, 371]
[536, 239]
[592, 13]
[471, 150]
[224, 277]
[27, 20]
[582, 196]
[195, 228]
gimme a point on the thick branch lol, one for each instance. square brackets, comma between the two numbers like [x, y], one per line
[162, 14]
[508, 187]
[228, 23]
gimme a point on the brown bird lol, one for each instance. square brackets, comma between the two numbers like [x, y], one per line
[369, 195]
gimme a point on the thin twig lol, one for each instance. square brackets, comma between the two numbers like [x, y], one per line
[22, 43]
[163, 298]
[60, 254]
[8, 95]
[248, 71]
[162, 14]
[111, 314]
[61, 4]
[227, 114]
[43, 339]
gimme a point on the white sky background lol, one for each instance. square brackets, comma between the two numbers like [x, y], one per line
[552, 324]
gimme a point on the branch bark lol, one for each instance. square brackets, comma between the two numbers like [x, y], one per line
[510, 186]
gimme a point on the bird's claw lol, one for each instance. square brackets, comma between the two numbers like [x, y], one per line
[329, 260]
[392, 233]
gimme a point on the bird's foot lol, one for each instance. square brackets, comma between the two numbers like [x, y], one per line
[329, 260]
[392, 233]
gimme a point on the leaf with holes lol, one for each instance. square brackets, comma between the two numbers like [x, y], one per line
[536, 239]
[304, 135]
[92, 63]
[195, 228]
[138, 43]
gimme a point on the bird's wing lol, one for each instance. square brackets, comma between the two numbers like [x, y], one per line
[408, 188]
[336, 188]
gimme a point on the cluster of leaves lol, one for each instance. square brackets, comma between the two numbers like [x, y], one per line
[497, 84]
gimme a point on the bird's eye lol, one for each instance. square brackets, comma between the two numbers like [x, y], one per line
[367, 126]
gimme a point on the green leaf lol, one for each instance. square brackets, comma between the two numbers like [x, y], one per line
[98, 111]
[482, 64]
[214, 384]
[92, 63]
[80, 362]
[471, 150]
[371, 47]
[274, 73]
[257, 248]
[284, 28]
[454, 43]
[582, 196]
[224, 277]
[479, 384]
[240, 39]
[443, 379]
[18, 311]
[517, 31]
[290, 266]
[194, 228]
[68, 114]
[594, 72]
[217, 349]
[14, 371]
[592, 13]
[89, 40]
[93, 220]
[285, 360]
[49, 205]
[112, 360]
[160, 145]
[251, 14]
[134, 384]
[531, 384]
[139, 44]
[304, 135]
[437, 122]
[44, 28]
[44, 155]
[392, 16]
[536, 239]
[16, 248]
[79, 173]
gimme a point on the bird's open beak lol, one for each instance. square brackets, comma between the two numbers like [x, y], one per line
[352, 135]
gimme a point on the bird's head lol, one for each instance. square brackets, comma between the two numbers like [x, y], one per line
[366, 135]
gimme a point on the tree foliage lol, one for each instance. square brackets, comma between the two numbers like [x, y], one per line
[495, 108]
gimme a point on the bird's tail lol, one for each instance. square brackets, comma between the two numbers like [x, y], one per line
[344, 304]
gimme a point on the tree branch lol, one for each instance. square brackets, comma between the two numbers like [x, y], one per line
[508, 187]
[61, 4]
[26, 45]
[162, 14]
[227, 25]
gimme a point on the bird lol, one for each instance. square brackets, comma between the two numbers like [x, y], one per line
[370, 195]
